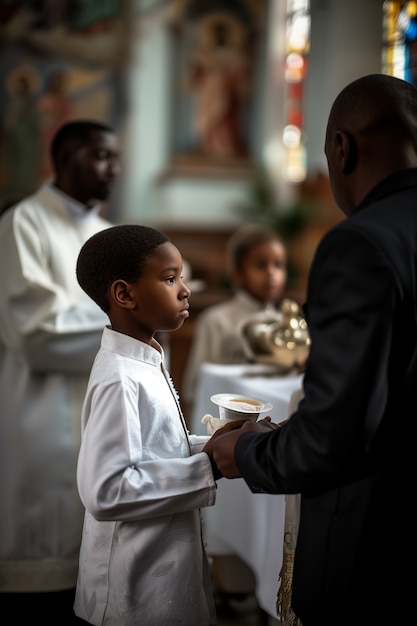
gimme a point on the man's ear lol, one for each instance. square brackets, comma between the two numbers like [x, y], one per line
[348, 151]
[121, 294]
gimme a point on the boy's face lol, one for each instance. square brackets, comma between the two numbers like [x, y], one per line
[160, 294]
[95, 166]
[264, 271]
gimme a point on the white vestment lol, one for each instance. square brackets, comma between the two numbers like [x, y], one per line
[50, 332]
[142, 478]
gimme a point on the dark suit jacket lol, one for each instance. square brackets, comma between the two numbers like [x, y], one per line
[350, 448]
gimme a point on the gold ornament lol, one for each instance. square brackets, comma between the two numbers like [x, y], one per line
[283, 341]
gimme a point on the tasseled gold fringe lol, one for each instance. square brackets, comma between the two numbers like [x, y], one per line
[284, 610]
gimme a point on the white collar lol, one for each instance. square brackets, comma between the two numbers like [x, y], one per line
[80, 212]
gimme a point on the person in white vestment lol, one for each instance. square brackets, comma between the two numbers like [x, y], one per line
[141, 475]
[50, 332]
[257, 267]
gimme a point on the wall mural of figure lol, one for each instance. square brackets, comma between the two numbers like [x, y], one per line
[59, 60]
[218, 54]
[21, 122]
[219, 76]
[55, 108]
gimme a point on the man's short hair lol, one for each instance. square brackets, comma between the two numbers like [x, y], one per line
[74, 134]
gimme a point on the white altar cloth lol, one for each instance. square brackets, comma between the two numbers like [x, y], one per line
[242, 523]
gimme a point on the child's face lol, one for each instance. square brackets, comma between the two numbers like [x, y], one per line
[264, 271]
[160, 295]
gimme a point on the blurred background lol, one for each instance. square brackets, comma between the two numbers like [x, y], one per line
[221, 108]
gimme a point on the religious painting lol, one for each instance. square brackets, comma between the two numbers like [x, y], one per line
[216, 53]
[58, 62]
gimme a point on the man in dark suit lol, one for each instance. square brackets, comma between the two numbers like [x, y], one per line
[349, 447]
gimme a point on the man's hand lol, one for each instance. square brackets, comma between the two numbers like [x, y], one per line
[208, 448]
[223, 448]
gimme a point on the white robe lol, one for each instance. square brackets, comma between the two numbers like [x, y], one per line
[49, 335]
[142, 479]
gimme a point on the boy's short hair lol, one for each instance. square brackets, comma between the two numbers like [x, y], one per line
[118, 252]
[75, 133]
[241, 242]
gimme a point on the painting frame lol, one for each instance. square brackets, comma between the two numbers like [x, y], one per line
[216, 67]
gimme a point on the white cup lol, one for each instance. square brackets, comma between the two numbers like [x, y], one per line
[240, 408]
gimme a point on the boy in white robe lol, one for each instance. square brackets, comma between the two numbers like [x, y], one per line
[141, 476]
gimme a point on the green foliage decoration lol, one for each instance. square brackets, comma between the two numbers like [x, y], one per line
[263, 208]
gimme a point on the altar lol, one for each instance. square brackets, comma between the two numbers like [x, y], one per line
[248, 525]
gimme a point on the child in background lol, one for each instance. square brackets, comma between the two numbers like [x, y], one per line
[257, 265]
[141, 476]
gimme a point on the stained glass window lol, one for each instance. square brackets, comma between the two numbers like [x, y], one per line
[287, 153]
[399, 52]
